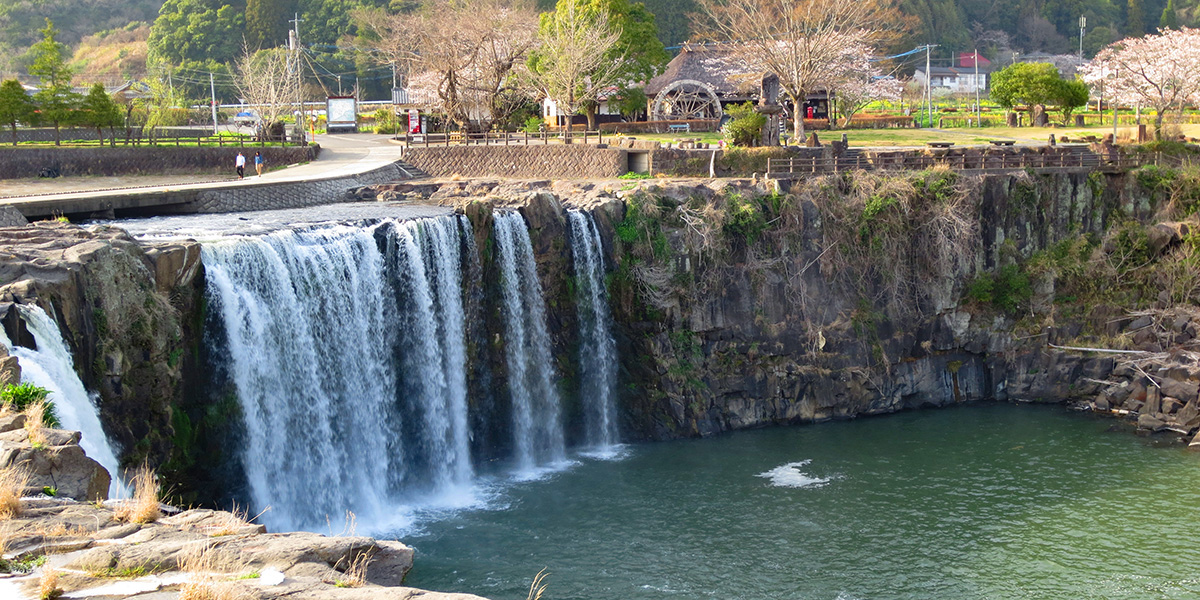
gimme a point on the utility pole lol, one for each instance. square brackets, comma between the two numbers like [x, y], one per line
[1082, 26]
[213, 88]
[295, 42]
[929, 84]
[978, 112]
[1115, 110]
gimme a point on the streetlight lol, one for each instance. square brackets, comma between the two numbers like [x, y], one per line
[1082, 26]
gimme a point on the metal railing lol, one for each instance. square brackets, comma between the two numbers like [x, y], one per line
[501, 138]
[782, 167]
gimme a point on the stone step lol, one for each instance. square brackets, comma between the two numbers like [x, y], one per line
[411, 171]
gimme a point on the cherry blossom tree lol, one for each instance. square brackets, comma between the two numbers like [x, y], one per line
[1158, 71]
[859, 82]
[803, 42]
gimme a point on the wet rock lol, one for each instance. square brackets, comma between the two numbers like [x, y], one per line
[1151, 422]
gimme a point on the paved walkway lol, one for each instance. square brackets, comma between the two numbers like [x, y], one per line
[340, 156]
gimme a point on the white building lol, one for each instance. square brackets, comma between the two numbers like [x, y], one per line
[955, 79]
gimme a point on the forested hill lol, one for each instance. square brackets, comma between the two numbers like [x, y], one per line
[994, 26]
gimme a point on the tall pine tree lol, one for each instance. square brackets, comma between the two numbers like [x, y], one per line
[267, 22]
[55, 100]
[1135, 20]
[1169, 19]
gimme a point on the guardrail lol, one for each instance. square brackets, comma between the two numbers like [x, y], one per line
[501, 138]
[782, 167]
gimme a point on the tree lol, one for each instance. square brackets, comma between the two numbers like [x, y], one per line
[195, 30]
[1169, 20]
[573, 65]
[56, 101]
[15, 105]
[800, 41]
[98, 110]
[459, 55]
[1159, 71]
[1034, 84]
[638, 55]
[267, 80]
[1135, 20]
[861, 83]
[267, 22]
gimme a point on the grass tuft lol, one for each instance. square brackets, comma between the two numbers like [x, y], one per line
[13, 481]
[144, 506]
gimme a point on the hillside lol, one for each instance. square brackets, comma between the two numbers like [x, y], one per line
[113, 57]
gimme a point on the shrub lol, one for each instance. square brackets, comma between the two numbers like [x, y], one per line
[19, 396]
[1007, 289]
[744, 219]
[745, 127]
[533, 125]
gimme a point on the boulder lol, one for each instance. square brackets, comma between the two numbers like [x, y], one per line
[1185, 391]
[1151, 422]
[10, 369]
[60, 464]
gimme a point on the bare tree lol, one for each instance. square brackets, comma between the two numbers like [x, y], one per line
[800, 41]
[461, 52]
[571, 65]
[267, 80]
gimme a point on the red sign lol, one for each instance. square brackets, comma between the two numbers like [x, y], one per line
[414, 120]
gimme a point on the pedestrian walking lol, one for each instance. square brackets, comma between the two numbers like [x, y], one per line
[240, 163]
[258, 162]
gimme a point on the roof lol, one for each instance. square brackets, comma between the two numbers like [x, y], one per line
[713, 64]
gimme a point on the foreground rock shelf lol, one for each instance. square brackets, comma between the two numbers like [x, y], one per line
[92, 554]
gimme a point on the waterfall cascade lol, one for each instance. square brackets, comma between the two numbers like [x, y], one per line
[538, 433]
[52, 367]
[345, 347]
[597, 348]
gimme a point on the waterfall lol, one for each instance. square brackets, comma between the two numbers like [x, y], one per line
[597, 348]
[51, 367]
[345, 347]
[537, 430]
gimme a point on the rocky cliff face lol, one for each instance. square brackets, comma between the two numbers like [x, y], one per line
[743, 303]
[120, 306]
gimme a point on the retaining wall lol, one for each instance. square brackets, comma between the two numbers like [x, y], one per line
[29, 162]
[566, 161]
[290, 194]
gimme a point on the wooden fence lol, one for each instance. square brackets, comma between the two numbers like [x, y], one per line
[502, 138]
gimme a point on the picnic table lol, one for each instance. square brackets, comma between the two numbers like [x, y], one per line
[1002, 142]
[939, 144]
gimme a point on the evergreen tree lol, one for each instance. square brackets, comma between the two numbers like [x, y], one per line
[1169, 19]
[56, 101]
[15, 105]
[98, 110]
[267, 22]
[1135, 22]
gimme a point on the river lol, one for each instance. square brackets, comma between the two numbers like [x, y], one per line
[994, 501]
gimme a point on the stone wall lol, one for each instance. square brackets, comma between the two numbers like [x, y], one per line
[291, 194]
[29, 162]
[11, 217]
[542, 161]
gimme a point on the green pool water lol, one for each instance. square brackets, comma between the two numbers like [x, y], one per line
[989, 501]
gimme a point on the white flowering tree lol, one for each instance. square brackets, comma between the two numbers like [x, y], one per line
[1157, 71]
[859, 81]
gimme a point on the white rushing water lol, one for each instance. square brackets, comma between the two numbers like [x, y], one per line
[345, 346]
[597, 348]
[537, 430]
[52, 367]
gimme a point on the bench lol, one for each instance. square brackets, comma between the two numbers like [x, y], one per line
[1002, 142]
[939, 144]
[679, 127]
[456, 137]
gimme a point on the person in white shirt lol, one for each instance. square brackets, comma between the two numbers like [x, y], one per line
[241, 165]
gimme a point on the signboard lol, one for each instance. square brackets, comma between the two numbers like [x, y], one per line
[341, 113]
[414, 121]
